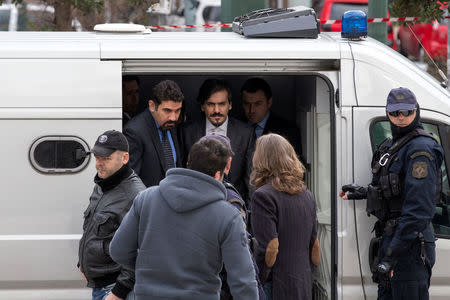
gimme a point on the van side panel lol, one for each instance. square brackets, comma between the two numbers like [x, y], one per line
[59, 83]
[42, 213]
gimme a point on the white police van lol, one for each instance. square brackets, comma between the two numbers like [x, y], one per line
[59, 91]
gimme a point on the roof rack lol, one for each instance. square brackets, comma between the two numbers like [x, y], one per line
[299, 21]
[121, 28]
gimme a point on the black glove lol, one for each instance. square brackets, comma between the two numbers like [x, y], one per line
[387, 263]
[355, 191]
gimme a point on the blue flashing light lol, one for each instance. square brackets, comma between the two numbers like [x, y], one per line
[354, 24]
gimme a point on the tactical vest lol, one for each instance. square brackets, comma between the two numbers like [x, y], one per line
[385, 193]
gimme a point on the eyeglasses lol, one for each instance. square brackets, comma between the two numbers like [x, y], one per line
[404, 112]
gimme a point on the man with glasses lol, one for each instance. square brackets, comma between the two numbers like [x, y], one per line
[402, 195]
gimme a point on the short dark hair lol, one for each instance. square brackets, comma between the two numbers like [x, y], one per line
[211, 86]
[130, 78]
[208, 156]
[167, 90]
[255, 84]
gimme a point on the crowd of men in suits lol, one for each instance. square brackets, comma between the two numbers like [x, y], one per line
[153, 144]
[158, 141]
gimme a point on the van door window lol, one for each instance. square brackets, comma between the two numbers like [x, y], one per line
[441, 220]
[59, 154]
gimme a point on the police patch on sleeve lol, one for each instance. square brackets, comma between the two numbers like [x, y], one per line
[420, 169]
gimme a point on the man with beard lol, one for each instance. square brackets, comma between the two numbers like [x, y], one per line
[116, 185]
[154, 146]
[215, 100]
[402, 195]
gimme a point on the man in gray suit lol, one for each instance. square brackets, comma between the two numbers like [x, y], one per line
[215, 99]
[154, 146]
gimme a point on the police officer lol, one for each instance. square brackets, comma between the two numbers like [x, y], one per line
[402, 195]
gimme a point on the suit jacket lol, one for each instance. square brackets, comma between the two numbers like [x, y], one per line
[146, 152]
[278, 125]
[242, 138]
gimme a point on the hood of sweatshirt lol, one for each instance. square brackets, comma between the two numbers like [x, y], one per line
[185, 190]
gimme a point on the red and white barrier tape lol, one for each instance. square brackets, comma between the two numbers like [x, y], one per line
[370, 20]
[380, 20]
[189, 26]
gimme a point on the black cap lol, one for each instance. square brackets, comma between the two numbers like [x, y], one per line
[108, 142]
[401, 98]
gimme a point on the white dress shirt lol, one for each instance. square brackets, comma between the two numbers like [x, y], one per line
[211, 129]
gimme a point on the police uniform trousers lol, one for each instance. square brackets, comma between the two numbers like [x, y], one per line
[411, 278]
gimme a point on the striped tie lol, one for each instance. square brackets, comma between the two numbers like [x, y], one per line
[168, 155]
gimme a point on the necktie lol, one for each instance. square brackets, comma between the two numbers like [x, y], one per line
[168, 155]
[257, 129]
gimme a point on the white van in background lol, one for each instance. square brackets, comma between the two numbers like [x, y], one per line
[60, 90]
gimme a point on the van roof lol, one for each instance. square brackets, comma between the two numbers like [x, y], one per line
[374, 61]
[174, 45]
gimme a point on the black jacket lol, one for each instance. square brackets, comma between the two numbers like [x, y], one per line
[278, 125]
[108, 204]
[146, 151]
[242, 139]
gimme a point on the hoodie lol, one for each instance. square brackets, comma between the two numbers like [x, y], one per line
[176, 237]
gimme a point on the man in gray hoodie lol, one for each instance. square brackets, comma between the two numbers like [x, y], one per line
[177, 235]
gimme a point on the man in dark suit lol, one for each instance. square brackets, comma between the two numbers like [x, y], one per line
[154, 146]
[257, 100]
[130, 97]
[215, 99]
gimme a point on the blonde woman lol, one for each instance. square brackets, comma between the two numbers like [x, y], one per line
[284, 220]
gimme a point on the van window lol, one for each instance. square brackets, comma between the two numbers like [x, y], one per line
[441, 220]
[59, 154]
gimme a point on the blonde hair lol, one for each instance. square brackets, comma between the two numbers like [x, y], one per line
[275, 162]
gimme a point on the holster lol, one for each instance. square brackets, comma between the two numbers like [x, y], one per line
[374, 200]
[374, 259]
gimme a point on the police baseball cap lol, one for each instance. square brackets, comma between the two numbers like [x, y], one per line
[108, 142]
[399, 99]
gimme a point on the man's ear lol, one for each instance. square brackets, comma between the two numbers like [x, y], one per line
[228, 166]
[269, 102]
[152, 105]
[125, 158]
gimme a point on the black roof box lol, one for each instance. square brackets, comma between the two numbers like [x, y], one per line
[299, 21]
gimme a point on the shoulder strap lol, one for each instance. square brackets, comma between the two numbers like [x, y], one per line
[386, 158]
[230, 186]
[408, 137]
[385, 142]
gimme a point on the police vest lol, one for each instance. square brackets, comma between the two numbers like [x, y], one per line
[385, 193]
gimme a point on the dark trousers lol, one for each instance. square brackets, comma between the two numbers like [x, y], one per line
[411, 278]
[405, 290]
